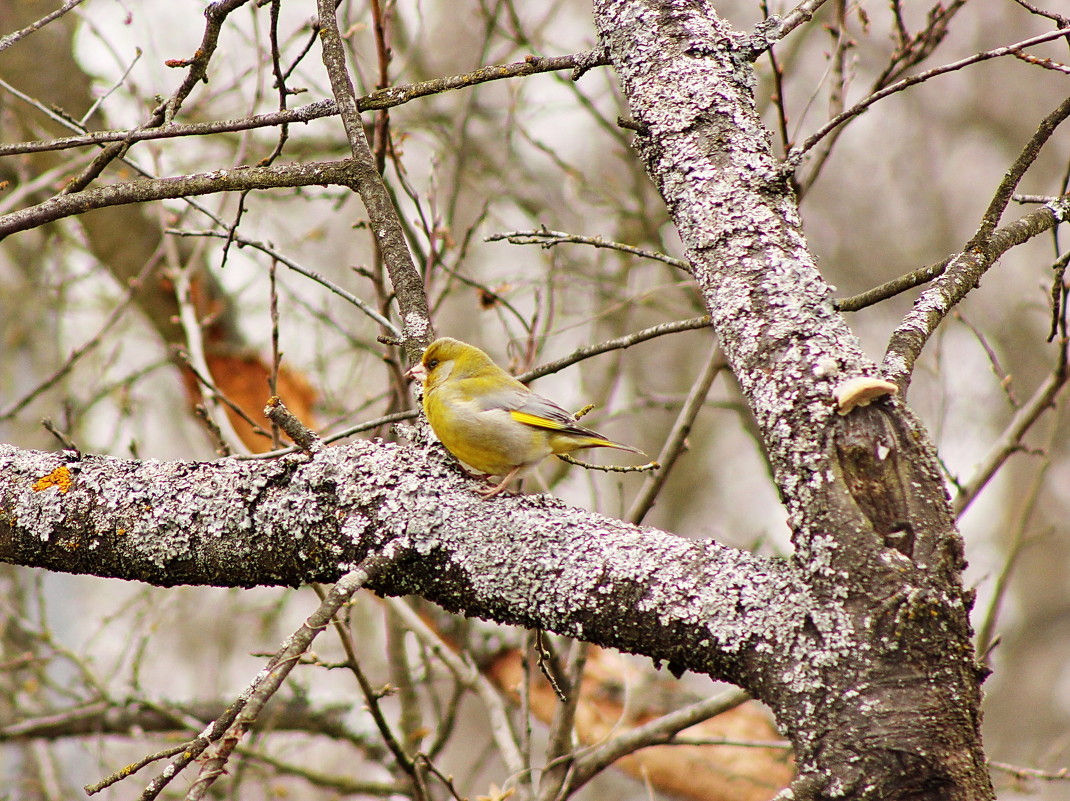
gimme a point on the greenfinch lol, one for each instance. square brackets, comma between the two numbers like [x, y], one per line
[489, 420]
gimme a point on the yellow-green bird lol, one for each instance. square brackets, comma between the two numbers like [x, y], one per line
[489, 420]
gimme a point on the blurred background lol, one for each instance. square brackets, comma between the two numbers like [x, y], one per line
[92, 308]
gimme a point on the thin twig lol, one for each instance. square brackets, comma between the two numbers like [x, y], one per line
[206, 382]
[397, 417]
[267, 682]
[580, 354]
[796, 154]
[546, 238]
[1005, 378]
[11, 38]
[129, 770]
[660, 730]
[892, 288]
[560, 741]
[1058, 19]
[963, 273]
[1010, 440]
[1013, 176]
[382, 99]
[337, 173]
[305, 438]
[1062, 774]
[676, 442]
[273, 315]
[371, 696]
[609, 468]
[1016, 543]
[501, 728]
[83, 349]
[297, 268]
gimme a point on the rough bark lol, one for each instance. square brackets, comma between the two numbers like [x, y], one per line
[528, 560]
[860, 643]
[882, 700]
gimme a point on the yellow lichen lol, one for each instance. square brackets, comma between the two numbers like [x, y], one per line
[60, 477]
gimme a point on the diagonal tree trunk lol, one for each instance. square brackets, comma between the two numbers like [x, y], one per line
[883, 698]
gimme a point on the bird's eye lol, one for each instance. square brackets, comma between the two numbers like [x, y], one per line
[432, 364]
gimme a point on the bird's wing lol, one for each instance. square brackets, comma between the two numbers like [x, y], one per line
[526, 407]
[535, 410]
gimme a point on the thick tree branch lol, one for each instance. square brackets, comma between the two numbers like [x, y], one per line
[873, 531]
[528, 560]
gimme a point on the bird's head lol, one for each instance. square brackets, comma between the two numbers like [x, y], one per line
[448, 357]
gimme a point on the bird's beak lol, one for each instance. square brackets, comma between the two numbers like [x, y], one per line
[417, 372]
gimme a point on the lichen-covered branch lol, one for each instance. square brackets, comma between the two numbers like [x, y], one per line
[528, 560]
[875, 541]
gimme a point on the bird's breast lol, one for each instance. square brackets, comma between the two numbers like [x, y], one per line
[489, 440]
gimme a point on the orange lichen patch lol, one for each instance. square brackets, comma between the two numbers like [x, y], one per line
[692, 772]
[60, 477]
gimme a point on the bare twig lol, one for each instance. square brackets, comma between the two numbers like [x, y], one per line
[796, 154]
[305, 438]
[1005, 378]
[501, 728]
[60, 435]
[546, 238]
[1010, 440]
[371, 696]
[1058, 19]
[381, 99]
[1063, 774]
[76, 354]
[215, 15]
[676, 442]
[1013, 176]
[397, 417]
[247, 708]
[1017, 541]
[560, 741]
[660, 730]
[892, 288]
[206, 382]
[320, 279]
[129, 770]
[11, 38]
[609, 468]
[626, 341]
[1059, 291]
[962, 274]
[331, 173]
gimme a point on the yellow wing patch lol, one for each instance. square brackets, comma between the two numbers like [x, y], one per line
[537, 421]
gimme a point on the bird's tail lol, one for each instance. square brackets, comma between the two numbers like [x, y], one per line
[598, 441]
